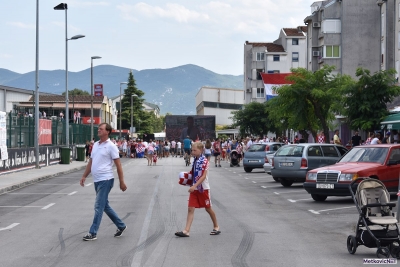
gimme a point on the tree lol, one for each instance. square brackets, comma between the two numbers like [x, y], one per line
[309, 102]
[366, 99]
[253, 119]
[139, 116]
[75, 92]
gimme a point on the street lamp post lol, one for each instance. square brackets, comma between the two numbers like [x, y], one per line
[91, 96]
[132, 109]
[64, 6]
[120, 106]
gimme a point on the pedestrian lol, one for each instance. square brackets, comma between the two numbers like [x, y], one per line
[87, 146]
[321, 137]
[199, 192]
[104, 154]
[355, 139]
[150, 153]
[376, 140]
[207, 150]
[336, 139]
[217, 152]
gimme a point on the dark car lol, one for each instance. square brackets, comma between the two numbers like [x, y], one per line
[292, 162]
[381, 162]
[255, 156]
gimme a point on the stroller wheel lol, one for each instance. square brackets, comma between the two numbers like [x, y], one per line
[351, 244]
[395, 250]
[231, 165]
[383, 253]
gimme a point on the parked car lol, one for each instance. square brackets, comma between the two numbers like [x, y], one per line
[381, 162]
[255, 156]
[268, 161]
[292, 162]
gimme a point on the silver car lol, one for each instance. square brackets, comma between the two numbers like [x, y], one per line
[292, 162]
[255, 156]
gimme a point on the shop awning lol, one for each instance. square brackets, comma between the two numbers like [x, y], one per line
[391, 122]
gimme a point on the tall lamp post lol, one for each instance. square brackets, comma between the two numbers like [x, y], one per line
[120, 106]
[91, 96]
[132, 109]
[64, 6]
[36, 140]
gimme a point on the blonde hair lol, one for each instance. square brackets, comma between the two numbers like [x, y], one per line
[198, 145]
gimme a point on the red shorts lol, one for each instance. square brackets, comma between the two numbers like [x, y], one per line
[200, 200]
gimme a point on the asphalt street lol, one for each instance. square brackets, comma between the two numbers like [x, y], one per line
[262, 222]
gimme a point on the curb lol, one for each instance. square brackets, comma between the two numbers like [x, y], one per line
[39, 179]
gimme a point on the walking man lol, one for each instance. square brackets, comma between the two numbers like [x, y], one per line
[104, 153]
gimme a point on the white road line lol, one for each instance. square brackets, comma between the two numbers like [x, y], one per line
[89, 184]
[234, 172]
[37, 193]
[9, 227]
[21, 206]
[319, 211]
[246, 178]
[240, 175]
[278, 193]
[292, 200]
[253, 182]
[57, 184]
[70, 194]
[48, 206]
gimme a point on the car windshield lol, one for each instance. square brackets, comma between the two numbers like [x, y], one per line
[290, 151]
[366, 154]
[256, 148]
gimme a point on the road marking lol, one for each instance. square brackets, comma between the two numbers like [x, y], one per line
[285, 192]
[263, 186]
[48, 206]
[56, 184]
[9, 227]
[319, 211]
[253, 182]
[292, 200]
[37, 193]
[70, 194]
[234, 172]
[21, 206]
[89, 184]
[240, 175]
[246, 178]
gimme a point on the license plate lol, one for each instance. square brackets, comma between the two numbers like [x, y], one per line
[286, 164]
[254, 161]
[326, 186]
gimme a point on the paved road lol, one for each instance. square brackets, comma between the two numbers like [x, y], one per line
[262, 223]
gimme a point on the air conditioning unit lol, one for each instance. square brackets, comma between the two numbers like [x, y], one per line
[316, 25]
[316, 53]
[248, 90]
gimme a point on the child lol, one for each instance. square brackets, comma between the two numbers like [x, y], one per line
[199, 192]
[155, 159]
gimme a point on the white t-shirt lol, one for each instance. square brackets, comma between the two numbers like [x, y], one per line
[374, 141]
[178, 145]
[103, 156]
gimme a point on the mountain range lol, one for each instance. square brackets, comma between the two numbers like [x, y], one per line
[173, 89]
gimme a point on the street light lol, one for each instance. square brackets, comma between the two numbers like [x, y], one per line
[120, 106]
[64, 6]
[91, 96]
[132, 109]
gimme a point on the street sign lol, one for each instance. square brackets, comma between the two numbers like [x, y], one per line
[98, 89]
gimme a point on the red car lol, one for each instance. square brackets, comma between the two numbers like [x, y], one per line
[381, 162]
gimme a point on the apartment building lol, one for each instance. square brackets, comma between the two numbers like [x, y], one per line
[288, 51]
[347, 34]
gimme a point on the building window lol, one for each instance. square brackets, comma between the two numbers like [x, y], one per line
[260, 56]
[260, 93]
[273, 71]
[295, 56]
[332, 51]
[331, 26]
[295, 41]
[277, 57]
[259, 71]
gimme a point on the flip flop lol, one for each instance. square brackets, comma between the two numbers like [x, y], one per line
[181, 234]
[215, 232]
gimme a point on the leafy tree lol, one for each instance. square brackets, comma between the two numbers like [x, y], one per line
[309, 102]
[253, 119]
[76, 91]
[366, 99]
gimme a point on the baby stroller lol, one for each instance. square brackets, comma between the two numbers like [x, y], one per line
[234, 158]
[376, 227]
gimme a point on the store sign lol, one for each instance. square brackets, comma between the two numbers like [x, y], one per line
[87, 120]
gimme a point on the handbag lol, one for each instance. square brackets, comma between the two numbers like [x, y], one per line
[185, 178]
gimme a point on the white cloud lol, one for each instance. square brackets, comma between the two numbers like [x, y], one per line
[21, 25]
[61, 25]
[5, 56]
[87, 4]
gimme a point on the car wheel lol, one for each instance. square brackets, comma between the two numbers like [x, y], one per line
[276, 179]
[286, 183]
[351, 244]
[318, 198]
[246, 169]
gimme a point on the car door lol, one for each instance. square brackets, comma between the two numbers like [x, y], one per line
[314, 156]
[330, 155]
[390, 175]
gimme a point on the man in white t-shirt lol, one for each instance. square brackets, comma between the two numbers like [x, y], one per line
[178, 149]
[104, 154]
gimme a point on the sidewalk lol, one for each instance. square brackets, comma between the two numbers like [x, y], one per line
[22, 178]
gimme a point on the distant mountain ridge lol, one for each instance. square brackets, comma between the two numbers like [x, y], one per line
[173, 90]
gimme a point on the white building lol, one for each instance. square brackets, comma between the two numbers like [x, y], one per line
[219, 102]
[288, 51]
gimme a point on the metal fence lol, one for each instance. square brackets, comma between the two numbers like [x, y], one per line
[21, 132]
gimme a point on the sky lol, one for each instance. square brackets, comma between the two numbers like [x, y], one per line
[140, 35]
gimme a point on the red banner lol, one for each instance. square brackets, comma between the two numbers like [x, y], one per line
[86, 120]
[98, 89]
[44, 132]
